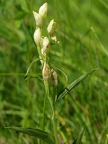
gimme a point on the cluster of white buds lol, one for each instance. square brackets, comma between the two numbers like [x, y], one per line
[41, 14]
[43, 43]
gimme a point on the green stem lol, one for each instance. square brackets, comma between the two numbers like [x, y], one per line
[40, 54]
[44, 106]
[45, 99]
[46, 93]
[55, 130]
[54, 93]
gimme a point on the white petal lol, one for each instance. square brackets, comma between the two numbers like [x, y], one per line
[38, 19]
[51, 27]
[43, 10]
[37, 36]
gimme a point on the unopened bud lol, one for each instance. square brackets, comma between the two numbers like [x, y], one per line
[54, 78]
[45, 46]
[37, 36]
[51, 27]
[38, 19]
[43, 10]
[46, 42]
[46, 72]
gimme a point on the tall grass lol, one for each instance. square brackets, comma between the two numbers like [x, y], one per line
[82, 31]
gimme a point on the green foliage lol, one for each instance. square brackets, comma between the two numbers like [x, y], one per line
[36, 133]
[73, 85]
[82, 29]
[78, 140]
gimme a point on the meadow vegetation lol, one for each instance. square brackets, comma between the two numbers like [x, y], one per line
[82, 32]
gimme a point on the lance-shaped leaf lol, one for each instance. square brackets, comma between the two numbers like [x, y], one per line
[30, 67]
[36, 133]
[73, 84]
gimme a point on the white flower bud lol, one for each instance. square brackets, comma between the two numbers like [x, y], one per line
[43, 10]
[46, 42]
[38, 19]
[51, 27]
[54, 78]
[46, 72]
[37, 36]
[45, 46]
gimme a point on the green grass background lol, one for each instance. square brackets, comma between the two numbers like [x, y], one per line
[82, 29]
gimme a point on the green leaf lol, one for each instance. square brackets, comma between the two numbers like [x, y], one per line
[30, 67]
[36, 133]
[62, 73]
[78, 140]
[80, 137]
[74, 84]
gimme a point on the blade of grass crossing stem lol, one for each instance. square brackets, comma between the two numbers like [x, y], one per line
[36, 133]
[80, 137]
[78, 140]
[74, 84]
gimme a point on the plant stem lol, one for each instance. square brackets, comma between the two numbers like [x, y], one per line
[45, 99]
[55, 130]
[40, 54]
[44, 106]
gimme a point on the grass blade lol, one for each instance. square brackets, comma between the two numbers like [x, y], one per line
[104, 3]
[78, 140]
[74, 84]
[30, 67]
[80, 137]
[36, 133]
